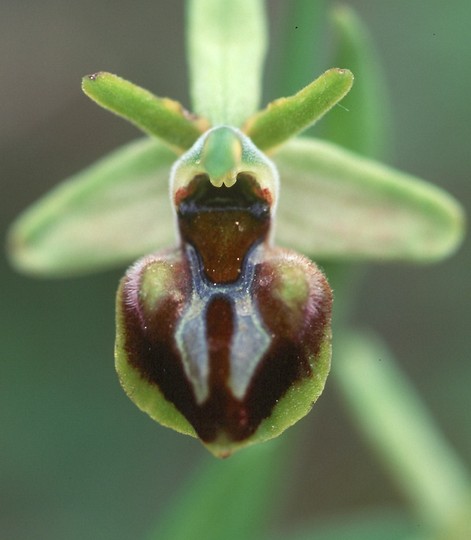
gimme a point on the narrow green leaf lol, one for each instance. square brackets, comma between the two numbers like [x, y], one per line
[285, 117]
[336, 205]
[226, 48]
[111, 213]
[363, 122]
[161, 117]
[368, 525]
[301, 35]
[228, 500]
[403, 433]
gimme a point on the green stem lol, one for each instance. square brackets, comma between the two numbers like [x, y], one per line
[229, 499]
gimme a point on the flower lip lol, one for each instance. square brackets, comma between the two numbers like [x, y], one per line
[226, 157]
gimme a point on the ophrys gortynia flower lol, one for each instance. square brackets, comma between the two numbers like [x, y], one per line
[228, 331]
[220, 333]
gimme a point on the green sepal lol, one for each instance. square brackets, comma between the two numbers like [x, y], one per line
[160, 117]
[336, 205]
[285, 117]
[118, 209]
[226, 43]
[107, 215]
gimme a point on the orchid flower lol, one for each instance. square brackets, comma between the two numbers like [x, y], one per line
[224, 322]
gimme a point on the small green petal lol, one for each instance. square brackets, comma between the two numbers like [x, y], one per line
[336, 205]
[226, 48]
[109, 214]
[285, 117]
[161, 117]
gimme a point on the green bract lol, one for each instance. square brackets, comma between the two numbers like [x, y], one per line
[224, 293]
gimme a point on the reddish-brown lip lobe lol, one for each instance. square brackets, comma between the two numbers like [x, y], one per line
[223, 231]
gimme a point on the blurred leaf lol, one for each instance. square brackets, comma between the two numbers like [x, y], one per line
[227, 500]
[303, 30]
[362, 122]
[226, 49]
[336, 205]
[403, 433]
[109, 214]
[285, 117]
[373, 525]
[161, 117]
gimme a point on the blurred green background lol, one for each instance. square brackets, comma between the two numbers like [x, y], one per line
[77, 458]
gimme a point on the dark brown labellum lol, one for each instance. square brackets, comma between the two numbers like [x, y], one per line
[225, 326]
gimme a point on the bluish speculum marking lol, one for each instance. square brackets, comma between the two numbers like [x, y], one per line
[247, 342]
